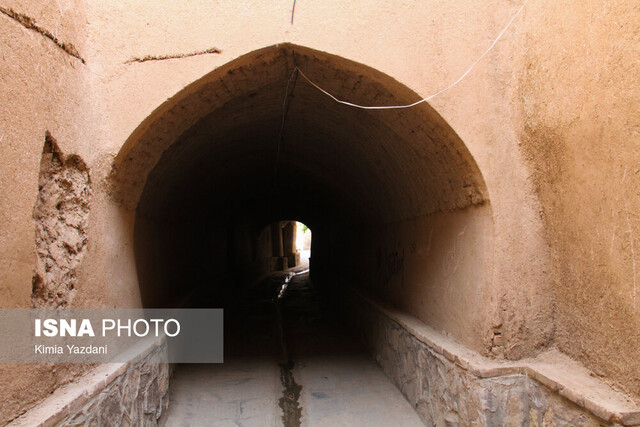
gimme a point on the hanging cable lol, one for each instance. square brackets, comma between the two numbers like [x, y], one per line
[392, 107]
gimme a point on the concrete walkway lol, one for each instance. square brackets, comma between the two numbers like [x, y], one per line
[328, 380]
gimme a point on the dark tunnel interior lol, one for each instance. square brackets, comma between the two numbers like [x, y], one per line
[254, 142]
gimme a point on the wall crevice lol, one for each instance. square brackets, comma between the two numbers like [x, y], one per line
[173, 56]
[31, 24]
[61, 216]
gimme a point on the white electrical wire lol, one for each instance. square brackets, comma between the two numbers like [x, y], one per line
[391, 107]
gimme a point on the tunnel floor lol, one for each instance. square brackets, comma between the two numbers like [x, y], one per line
[313, 373]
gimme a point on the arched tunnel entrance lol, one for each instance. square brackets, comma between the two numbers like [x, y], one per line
[398, 207]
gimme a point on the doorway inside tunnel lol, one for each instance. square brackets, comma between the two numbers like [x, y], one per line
[397, 205]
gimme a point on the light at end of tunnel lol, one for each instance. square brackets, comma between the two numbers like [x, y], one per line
[303, 241]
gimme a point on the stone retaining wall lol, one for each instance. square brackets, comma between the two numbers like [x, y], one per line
[449, 385]
[113, 394]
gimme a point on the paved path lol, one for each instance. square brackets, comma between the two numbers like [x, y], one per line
[329, 380]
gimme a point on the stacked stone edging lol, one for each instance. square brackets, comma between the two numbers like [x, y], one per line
[130, 393]
[449, 384]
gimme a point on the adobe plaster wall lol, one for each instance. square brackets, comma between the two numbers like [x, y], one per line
[42, 89]
[434, 267]
[575, 108]
[549, 117]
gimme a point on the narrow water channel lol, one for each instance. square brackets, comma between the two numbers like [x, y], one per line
[288, 363]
